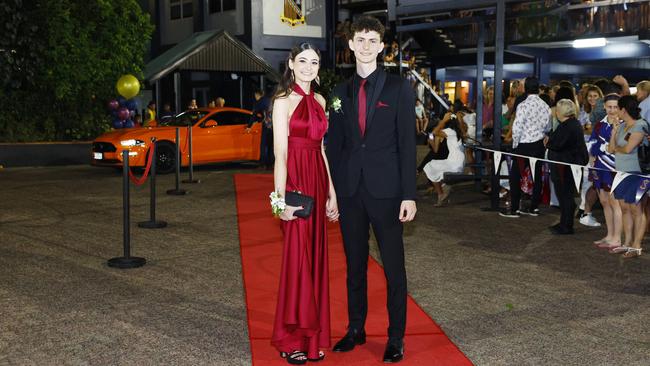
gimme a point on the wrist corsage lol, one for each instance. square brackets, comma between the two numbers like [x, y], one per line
[277, 203]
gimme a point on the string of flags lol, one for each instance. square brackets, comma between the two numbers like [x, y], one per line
[576, 170]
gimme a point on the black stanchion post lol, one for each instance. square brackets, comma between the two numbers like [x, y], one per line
[126, 261]
[152, 223]
[178, 191]
[191, 178]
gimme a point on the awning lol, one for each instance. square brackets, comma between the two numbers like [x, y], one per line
[214, 50]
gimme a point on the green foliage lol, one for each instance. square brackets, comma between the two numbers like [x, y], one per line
[328, 80]
[60, 61]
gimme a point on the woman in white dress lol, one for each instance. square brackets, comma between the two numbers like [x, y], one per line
[450, 132]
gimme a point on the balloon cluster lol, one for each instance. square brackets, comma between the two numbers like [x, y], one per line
[124, 108]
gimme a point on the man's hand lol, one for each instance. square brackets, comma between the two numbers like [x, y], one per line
[407, 211]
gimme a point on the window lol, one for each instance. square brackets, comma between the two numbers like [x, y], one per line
[218, 6]
[180, 9]
[215, 6]
[186, 118]
[231, 118]
[229, 5]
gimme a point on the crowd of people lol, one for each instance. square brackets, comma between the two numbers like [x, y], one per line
[601, 126]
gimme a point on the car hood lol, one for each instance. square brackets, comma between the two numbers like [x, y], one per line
[141, 133]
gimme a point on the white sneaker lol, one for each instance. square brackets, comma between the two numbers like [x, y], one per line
[588, 220]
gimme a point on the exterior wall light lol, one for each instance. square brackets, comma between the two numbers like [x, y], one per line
[589, 42]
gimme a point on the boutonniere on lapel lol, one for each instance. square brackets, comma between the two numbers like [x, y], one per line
[336, 104]
[381, 104]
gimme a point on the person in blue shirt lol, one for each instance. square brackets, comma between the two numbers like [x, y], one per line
[262, 114]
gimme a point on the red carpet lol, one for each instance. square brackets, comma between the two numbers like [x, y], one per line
[260, 239]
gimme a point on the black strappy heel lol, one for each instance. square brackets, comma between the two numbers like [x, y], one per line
[295, 357]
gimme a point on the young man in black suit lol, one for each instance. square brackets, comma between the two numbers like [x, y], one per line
[371, 150]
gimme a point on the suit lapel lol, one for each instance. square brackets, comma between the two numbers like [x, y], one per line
[381, 79]
[350, 114]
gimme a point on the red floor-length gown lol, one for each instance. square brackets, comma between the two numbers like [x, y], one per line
[302, 316]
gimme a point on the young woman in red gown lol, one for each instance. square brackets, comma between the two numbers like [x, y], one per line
[302, 321]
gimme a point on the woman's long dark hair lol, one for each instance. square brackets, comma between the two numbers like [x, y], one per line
[631, 106]
[285, 86]
[454, 124]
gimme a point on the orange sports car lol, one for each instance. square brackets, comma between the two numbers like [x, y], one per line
[218, 135]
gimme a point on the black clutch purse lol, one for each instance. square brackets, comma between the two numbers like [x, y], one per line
[298, 199]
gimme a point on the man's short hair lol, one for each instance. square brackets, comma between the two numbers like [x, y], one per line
[531, 85]
[367, 23]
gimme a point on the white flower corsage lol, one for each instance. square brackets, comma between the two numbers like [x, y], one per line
[336, 104]
[277, 203]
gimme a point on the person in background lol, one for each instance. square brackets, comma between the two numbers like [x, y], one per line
[488, 112]
[565, 144]
[150, 114]
[192, 105]
[591, 94]
[624, 143]
[212, 104]
[603, 175]
[261, 113]
[137, 120]
[642, 93]
[166, 114]
[421, 119]
[220, 102]
[532, 122]
[449, 132]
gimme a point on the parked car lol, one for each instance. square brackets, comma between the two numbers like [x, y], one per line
[218, 135]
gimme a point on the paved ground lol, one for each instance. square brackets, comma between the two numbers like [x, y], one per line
[504, 290]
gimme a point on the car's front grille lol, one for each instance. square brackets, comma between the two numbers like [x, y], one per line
[103, 147]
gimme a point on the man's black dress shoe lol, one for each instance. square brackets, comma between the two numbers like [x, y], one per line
[351, 339]
[561, 231]
[394, 351]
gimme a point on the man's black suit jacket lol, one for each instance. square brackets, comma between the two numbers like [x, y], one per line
[385, 155]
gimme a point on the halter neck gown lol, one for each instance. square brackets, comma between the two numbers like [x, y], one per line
[302, 317]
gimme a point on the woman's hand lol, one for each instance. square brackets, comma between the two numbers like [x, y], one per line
[287, 214]
[332, 209]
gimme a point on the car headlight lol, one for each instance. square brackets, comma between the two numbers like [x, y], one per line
[132, 142]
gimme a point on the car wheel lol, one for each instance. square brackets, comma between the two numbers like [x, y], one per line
[165, 157]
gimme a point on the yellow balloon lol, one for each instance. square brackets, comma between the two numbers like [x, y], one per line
[128, 86]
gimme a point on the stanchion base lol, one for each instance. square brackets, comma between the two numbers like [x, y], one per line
[191, 181]
[177, 192]
[126, 262]
[152, 224]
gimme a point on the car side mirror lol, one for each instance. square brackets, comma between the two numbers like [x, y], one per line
[210, 123]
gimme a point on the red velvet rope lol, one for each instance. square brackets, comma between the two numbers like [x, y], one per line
[143, 178]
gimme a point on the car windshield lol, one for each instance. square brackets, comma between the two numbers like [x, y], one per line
[185, 118]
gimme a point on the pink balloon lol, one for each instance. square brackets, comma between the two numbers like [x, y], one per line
[123, 113]
[113, 104]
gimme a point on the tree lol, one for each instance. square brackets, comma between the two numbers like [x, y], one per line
[66, 56]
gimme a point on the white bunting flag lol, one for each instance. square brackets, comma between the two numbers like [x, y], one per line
[497, 160]
[618, 179]
[576, 170]
[532, 162]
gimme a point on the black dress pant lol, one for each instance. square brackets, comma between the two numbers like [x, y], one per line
[267, 156]
[357, 213]
[565, 190]
[533, 149]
